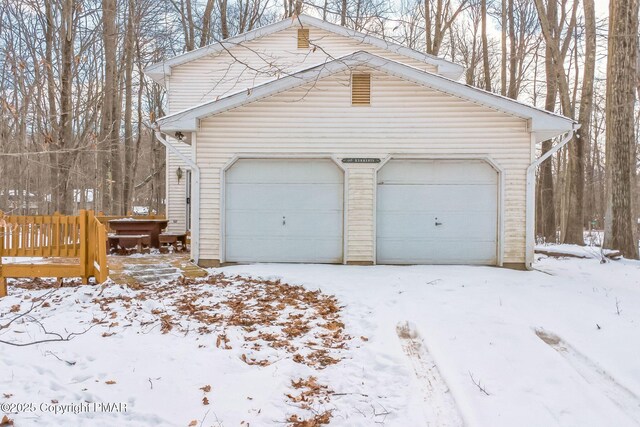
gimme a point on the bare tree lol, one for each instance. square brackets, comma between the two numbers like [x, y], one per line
[485, 47]
[621, 143]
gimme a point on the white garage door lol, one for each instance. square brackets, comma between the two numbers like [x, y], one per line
[437, 212]
[284, 211]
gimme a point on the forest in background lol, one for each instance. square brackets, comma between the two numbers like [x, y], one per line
[74, 99]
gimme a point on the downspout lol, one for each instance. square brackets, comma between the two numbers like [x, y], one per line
[195, 188]
[531, 194]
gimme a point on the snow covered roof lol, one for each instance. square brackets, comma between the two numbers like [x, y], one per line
[159, 70]
[542, 123]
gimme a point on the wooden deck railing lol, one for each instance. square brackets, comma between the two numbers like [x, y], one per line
[76, 243]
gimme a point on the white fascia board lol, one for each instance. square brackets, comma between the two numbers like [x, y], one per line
[159, 70]
[540, 122]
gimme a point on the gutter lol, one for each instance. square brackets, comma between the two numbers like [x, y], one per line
[195, 188]
[531, 194]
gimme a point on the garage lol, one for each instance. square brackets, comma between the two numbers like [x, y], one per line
[437, 212]
[284, 210]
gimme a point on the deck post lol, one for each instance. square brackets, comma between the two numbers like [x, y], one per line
[3, 280]
[84, 249]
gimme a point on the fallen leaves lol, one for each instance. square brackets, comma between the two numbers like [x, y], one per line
[315, 421]
[263, 321]
[251, 361]
[260, 314]
[310, 395]
[166, 322]
[14, 308]
[223, 342]
[6, 421]
[110, 382]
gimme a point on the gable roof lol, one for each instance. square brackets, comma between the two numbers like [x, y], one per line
[542, 123]
[159, 70]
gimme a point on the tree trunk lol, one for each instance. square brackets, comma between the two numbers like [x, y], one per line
[224, 23]
[547, 199]
[108, 107]
[343, 13]
[620, 133]
[512, 93]
[128, 109]
[65, 160]
[205, 35]
[503, 45]
[485, 48]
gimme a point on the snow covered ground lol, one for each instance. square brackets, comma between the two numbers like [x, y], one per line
[399, 346]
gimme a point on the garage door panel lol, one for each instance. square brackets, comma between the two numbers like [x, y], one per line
[280, 171]
[436, 172]
[417, 198]
[283, 196]
[437, 212]
[436, 252]
[284, 211]
[261, 249]
[251, 223]
[453, 226]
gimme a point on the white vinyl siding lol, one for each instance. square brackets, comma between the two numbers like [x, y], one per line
[360, 215]
[260, 60]
[403, 119]
[176, 191]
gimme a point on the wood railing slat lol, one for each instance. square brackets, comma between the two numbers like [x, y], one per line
[82, 236]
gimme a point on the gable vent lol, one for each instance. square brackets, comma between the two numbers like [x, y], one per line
[303, 38]
[361, 89]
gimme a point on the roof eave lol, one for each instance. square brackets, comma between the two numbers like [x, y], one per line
[541, 123]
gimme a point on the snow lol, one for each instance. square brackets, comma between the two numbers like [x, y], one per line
[556, 346]
[575, 250]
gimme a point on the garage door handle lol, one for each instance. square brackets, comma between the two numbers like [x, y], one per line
[284, 221]
[438, 223]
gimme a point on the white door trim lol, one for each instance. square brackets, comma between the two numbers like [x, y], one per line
[483, 157]
[281, 156]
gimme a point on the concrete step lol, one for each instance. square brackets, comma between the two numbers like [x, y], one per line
[153, 271]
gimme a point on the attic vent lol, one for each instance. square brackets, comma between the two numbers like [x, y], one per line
[303, 38]
[361, 89]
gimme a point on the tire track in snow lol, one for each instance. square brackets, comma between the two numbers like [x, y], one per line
[621, 396]
[440, 408]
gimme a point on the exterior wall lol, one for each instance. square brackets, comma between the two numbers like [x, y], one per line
[176, 191]
[404, 119]
[361, 182]
[261, 60]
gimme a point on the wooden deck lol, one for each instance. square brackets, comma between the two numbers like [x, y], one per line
[139, 270]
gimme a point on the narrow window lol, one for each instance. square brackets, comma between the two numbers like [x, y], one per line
[361, 89]
[303, 38]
